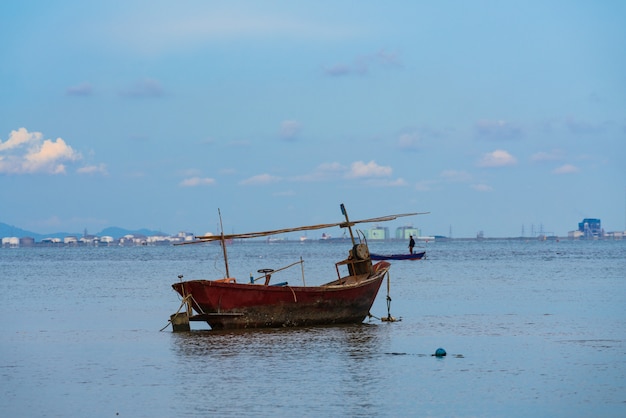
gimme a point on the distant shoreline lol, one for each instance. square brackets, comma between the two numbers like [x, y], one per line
[125, 242]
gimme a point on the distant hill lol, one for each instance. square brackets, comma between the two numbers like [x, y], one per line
[13, 231]
[115, 232]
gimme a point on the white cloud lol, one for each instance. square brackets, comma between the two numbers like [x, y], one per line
[26, 153]
[197, 181]
[371, 173]
[48, 156]
[260, 180]
[497, 158]
[399, 182]
[333, 167]
[481, 187]
[409, 141]
[243, 143]
[83, 89]
[91, 169]
[456, 176]
[145, 88]
[289, 129]
[337, 70]
[285, 193]
[228, 171]
[577, 126]
[190, 172]
[323, 171]
[497, 129]
[359, 169]
[362, 64]
[566, 169]
[151, 31]
[547, 156]
[19, 138]
[425, 185]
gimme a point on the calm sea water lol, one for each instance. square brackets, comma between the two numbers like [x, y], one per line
[531, 329]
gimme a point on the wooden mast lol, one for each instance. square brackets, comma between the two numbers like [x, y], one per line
[223, 242]
[345, 213]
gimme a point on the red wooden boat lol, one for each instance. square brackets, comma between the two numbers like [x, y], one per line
[227, 303]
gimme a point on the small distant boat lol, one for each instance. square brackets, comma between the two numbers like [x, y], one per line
[414, 256]
[226, 303]
[329, 238]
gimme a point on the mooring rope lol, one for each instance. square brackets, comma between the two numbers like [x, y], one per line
[389, 318]
[184, 302]
[370, 316]
[169, 321]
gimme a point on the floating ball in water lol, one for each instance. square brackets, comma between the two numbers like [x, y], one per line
[440, 352]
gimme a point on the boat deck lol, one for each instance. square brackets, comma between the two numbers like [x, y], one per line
[347, 281]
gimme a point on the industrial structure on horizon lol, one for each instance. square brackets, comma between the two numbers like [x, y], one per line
[402, 233]
[589, 228]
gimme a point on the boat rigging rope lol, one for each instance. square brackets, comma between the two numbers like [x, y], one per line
[285, 268]
[295, 299]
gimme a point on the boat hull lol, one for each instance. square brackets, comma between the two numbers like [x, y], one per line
[226, 305]
[414, 256]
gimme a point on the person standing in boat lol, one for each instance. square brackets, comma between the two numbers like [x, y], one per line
[411, 244]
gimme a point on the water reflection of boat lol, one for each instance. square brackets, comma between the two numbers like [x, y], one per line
[226, 303]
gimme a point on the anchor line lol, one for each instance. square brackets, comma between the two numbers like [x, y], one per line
[184, 302]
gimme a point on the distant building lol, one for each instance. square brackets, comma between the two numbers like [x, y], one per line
[12, 242]
[404, 232]
[70, 240]
[53, 240]
[378, 233]
[27, 241]
[574, 234]
[107, 239]
[590, 228]
[88, 240]
[615, 234]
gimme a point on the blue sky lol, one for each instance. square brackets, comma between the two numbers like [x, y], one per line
[492, 115]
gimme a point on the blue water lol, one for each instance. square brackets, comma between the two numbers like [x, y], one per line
[531, 329]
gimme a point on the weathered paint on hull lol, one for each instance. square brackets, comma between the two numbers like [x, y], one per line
[232, 305]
